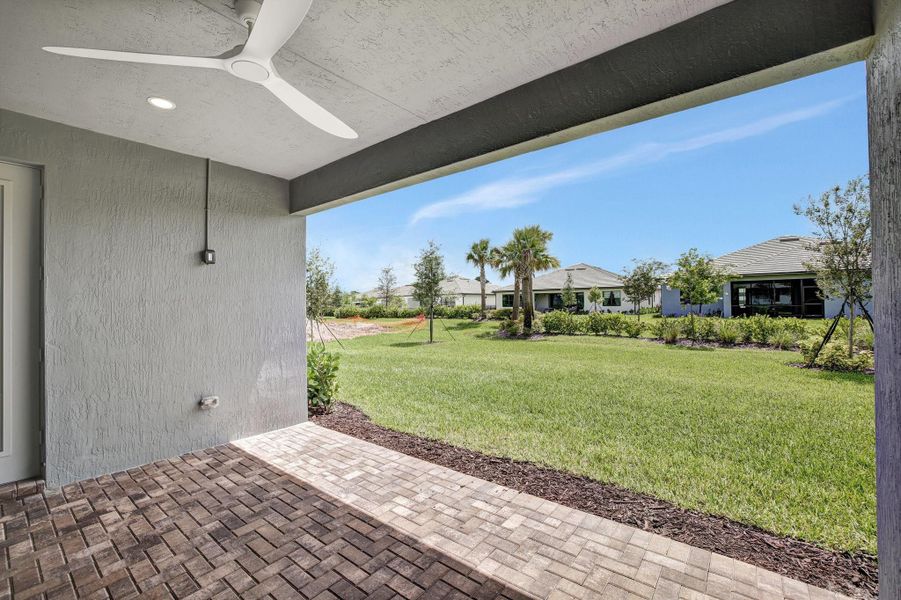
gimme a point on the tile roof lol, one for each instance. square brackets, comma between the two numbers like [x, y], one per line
[784, 254]
[450, 286]
[584, 277]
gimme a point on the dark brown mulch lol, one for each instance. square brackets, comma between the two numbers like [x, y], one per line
[818, 368]
[844, 572]
[711, 344]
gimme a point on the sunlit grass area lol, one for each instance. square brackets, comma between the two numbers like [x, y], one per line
[733, 432]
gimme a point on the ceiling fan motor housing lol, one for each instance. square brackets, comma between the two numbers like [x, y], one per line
[248, 10]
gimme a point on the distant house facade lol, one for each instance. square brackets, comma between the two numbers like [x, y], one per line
[456, 291]
[768, 278]
[547, 290]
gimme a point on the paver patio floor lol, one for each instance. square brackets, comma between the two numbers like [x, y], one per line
[306, 512]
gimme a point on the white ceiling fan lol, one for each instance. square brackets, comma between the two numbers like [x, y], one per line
[270, 26]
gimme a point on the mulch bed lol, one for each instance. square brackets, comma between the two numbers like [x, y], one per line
[817, 368]
[711, 344]
[851, 574]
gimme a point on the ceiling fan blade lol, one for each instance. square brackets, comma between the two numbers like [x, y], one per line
[276, 23]
[307, 109]
[139, 57]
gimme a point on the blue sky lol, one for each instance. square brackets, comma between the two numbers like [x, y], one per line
[718, 177]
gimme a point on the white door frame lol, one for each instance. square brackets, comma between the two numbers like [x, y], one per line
[6, 222]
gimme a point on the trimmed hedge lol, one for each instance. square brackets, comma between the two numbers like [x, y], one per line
[377, 311]
[779, 332]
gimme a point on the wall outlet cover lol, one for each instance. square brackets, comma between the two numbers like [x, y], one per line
[209, 402]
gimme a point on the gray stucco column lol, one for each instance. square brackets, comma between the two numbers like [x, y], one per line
[884, 101]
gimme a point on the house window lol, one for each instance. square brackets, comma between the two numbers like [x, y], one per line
[556, 301]
[777, 297]
[506, 300]
[612, 298]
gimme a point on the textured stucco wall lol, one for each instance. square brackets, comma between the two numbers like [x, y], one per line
[136, 328]
[671, 304]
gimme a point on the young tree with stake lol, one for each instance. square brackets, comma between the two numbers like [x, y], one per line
[699, 281]
[641, 282]
[595, 295]
[429, 269]
[320, 271]
[387, 284]
[841, 220]
[568, 294]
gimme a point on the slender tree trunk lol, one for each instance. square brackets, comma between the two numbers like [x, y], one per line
[482, 282]
[851, 330]
[431, 322]
[529, 302]
[517, 288]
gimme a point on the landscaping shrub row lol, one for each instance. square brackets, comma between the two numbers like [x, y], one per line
[778, 332]
[378, 311]
[782, 332]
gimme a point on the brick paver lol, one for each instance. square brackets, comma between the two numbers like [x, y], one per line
[539, 547]
[306, 512]
[215, 524]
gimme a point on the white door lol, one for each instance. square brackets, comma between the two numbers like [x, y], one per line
[20, 251]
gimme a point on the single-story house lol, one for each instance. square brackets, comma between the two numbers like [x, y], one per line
[457, 291]
[547, 290]
[767, 278]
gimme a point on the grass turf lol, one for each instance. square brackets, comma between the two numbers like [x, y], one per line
[732, 432]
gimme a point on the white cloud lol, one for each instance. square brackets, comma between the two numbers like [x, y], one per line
[518, 191]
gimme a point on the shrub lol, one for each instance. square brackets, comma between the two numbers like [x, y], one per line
[728, 332]
[560, 321]
[615, 323]
[633, 328]
[863, 334]
[760, 328]
[864, 338]
[745, 331]
[376, 311]
[666, 329]
[500, 314]
[783, 339]
[346, 312]
[705, 328]
[834, 356]
[597, 323]
[464, 311]
[797, 327]
[698, 328]
[322, 378]
[509, 327]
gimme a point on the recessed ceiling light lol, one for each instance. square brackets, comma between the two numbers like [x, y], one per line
[161, 103]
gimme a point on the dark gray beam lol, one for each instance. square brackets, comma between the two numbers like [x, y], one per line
[733, 41]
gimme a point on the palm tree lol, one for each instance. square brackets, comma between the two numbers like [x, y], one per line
[479, 255]
[504, 261]
[530, 244]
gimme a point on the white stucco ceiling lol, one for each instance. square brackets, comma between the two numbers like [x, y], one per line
[382, 66]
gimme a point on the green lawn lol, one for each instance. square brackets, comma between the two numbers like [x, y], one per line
[731, 432]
